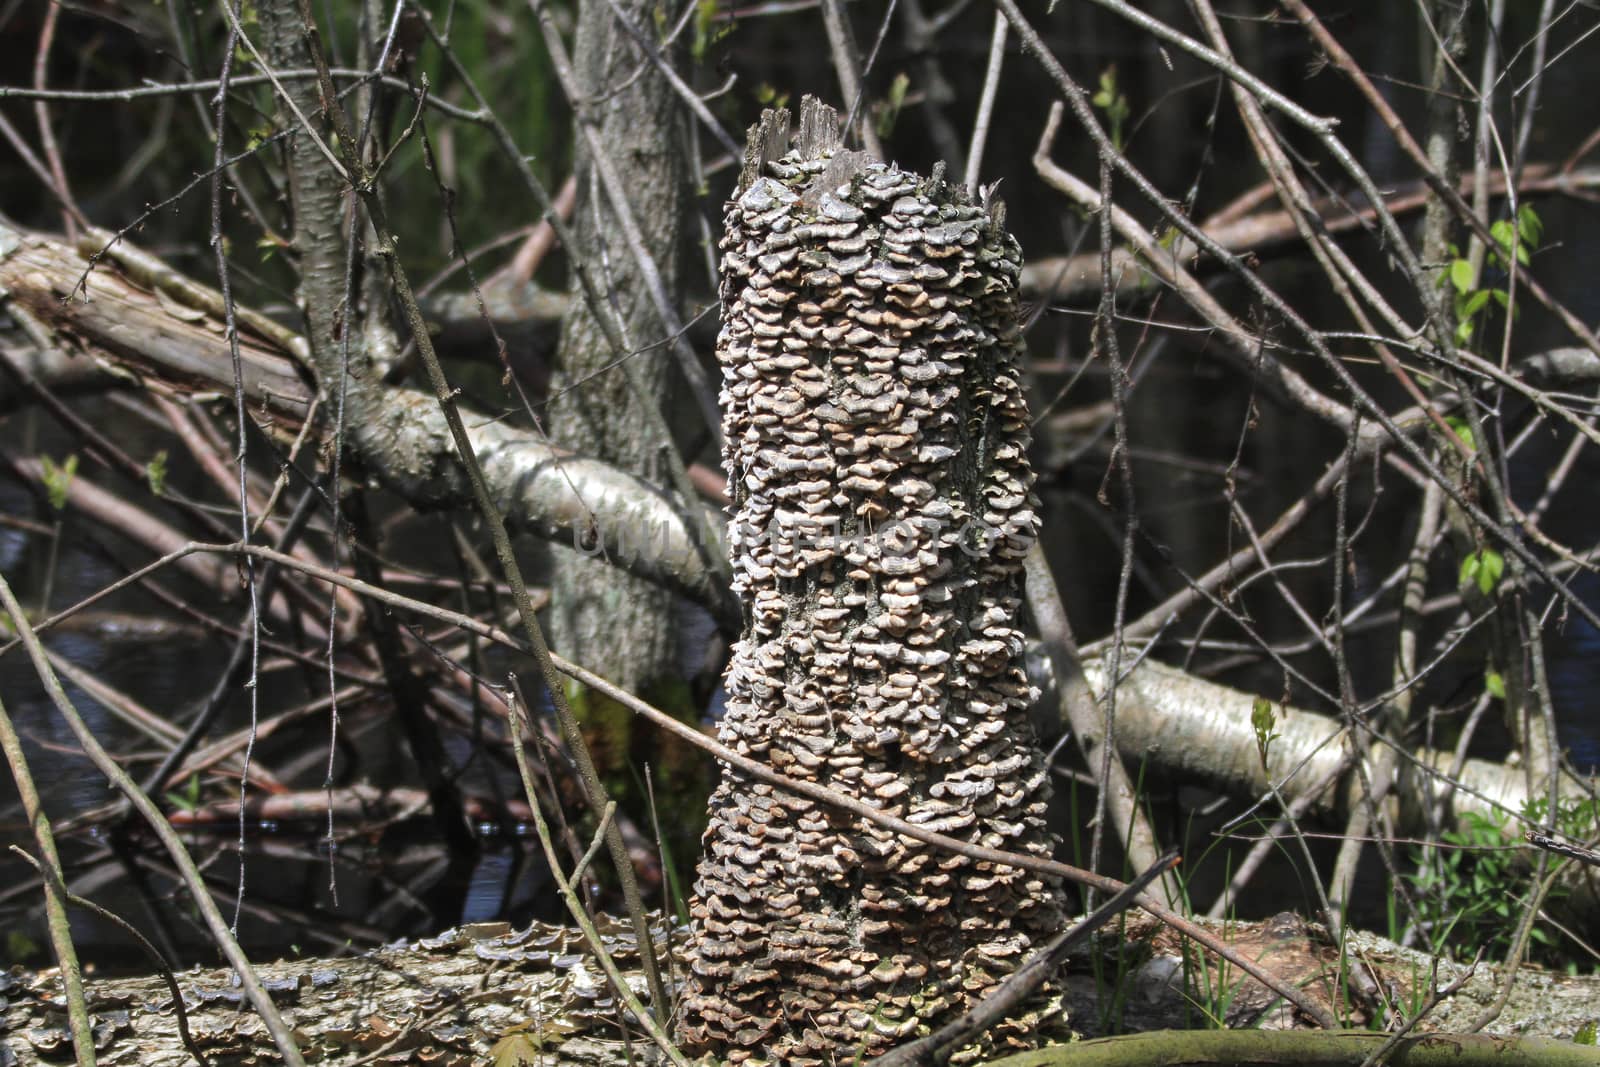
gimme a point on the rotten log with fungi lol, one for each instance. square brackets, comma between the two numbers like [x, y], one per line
[876, 451]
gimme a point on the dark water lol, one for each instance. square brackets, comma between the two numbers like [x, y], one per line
[300, 896]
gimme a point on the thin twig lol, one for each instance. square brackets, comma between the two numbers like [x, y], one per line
[200, 896]
[1079, 100]
[241, 416]
[445, 395]
[54, 892]
[1391, 120]
[991, 88]
[690, 98]
[653, 1022]
[847, 62]
[72, 215]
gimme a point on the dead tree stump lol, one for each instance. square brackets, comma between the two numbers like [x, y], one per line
[876, 451]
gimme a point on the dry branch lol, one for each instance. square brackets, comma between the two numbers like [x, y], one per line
[1200, 731]
[1068, 278]
[153, 338]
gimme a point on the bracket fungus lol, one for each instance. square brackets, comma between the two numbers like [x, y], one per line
[876, 448]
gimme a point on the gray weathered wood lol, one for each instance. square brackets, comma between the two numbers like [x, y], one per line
[448, 1000]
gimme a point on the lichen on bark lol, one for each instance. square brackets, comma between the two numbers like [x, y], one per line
[877, 440]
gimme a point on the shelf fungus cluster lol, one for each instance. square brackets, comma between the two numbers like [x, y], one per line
[876, 452]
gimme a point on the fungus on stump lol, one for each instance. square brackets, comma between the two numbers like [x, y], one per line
[876, 452]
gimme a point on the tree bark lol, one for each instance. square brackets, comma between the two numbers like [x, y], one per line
[614, 624]
[623, 627]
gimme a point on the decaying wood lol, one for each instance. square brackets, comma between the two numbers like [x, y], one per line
[148, 335]
[1347, 1048]
[449, 1000]
[876, 444]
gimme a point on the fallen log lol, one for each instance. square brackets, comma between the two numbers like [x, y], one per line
[452, 1000]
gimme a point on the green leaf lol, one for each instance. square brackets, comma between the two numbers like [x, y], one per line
[1495, 684]
[1108, 88]
[1531, 224]
[1461, 276]
[1463, 431]
[897, 90]
[1494, 565]
[1113, 103]
[189, 799]
[1474, 303]
[705, 15]
[58, 479]
[889, 109]
[1262, 721]
[1517, 239]
[155, 472]
[1502, 232]
[1484, 567]
[1586, 1033]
